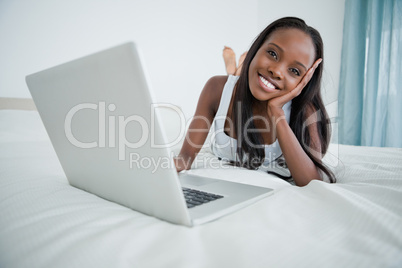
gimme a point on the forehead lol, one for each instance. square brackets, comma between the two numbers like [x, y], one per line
[294, 43]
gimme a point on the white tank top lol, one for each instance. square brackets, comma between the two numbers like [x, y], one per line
[224, 146]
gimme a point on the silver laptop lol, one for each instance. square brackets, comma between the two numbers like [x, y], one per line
[99, 114]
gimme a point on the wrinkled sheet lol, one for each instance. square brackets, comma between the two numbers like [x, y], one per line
[45, 222]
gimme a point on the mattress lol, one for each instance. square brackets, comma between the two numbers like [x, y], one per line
[45, 222]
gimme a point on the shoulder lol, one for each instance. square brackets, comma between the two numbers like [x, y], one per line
[311, 119]
[212, 91]
[310, 111]
[216, 83]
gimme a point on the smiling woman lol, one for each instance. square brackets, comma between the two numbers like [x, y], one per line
[273, 111]
[280, 63]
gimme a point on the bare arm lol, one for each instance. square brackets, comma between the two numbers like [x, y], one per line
[300, 165]
[207, 107]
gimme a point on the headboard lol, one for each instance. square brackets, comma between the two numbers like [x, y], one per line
[17, 104]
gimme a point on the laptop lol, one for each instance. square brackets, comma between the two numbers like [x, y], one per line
[101, 119]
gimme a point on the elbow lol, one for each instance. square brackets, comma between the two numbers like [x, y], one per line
[303, 183]
[304, 179]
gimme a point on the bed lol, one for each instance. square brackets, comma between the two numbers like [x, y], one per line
[45, 222]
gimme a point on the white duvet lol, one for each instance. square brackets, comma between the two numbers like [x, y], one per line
[44, 222]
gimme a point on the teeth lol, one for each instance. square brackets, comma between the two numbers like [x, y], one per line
[265, 81]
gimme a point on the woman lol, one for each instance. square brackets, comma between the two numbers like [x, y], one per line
[273, 109]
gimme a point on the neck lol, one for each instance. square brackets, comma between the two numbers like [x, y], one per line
[260, 107]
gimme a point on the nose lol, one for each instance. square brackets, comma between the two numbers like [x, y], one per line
[275, 70]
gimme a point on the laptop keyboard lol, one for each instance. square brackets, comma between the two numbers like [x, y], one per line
[196, 197]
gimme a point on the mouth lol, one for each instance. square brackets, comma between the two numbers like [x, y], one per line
[267, 85]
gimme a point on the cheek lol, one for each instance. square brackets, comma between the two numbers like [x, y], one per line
[292, 83]
[253, 64]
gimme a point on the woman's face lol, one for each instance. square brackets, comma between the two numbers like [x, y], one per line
[280, 63]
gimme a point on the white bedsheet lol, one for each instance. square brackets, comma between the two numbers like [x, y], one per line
[45, 222]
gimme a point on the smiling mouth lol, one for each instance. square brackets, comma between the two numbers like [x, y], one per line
[267, 83]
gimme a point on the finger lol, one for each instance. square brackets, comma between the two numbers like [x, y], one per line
[316, 63]
[311, 71]
[298, 89]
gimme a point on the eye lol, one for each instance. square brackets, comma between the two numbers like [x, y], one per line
[295, 71]
[273, 54]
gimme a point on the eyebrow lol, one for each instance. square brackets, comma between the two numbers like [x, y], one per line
[297, 62]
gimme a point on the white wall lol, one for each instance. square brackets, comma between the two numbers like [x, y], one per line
[181, 40]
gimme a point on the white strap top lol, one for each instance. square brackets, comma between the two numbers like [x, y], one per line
[224, 146]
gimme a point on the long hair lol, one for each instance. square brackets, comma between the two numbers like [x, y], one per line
[252, 157]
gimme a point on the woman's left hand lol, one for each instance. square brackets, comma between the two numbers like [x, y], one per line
[275, 105]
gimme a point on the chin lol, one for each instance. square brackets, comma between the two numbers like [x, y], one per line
[261, 95]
